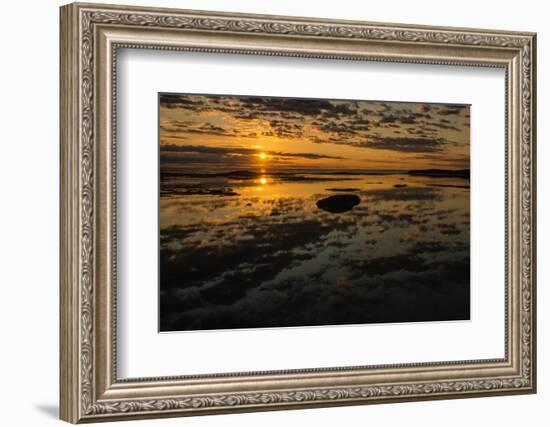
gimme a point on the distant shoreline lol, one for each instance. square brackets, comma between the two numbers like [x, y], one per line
[247, 174]
[441, 173]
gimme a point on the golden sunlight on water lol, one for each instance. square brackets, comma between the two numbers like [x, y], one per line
[293, 212]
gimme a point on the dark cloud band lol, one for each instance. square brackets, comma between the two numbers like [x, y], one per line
[165, 149]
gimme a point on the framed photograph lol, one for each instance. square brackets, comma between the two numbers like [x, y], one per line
[265, 212]
[281, 212]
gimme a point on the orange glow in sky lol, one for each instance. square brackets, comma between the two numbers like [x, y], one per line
[228, 132]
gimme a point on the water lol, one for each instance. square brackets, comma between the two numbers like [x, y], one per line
[256, 250]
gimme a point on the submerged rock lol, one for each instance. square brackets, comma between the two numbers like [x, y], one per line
[339, 204]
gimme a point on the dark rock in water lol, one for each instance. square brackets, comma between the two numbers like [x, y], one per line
[400, 185]
[338, 204]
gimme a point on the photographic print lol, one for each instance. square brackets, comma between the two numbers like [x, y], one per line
[280, 211]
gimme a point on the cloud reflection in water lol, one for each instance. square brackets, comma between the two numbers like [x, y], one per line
[260, 253]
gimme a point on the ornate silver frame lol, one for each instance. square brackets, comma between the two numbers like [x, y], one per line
[90, 36]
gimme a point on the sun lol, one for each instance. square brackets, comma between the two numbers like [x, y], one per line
[262, 156]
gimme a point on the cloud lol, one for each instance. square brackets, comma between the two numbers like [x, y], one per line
[444, 125]
[390, 118]
[307, 107]
[453, 110]
[179, 101]
[166, 149]
[394, 126]
[179, 126]
[408, 119]
[405, 194]
[463, 160]
[407, 145]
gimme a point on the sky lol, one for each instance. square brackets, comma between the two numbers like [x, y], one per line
[231, 132]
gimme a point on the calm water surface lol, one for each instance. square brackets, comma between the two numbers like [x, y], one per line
[257, 251]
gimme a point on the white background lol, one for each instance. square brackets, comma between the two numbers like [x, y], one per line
[29, 171]
[145, 353]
